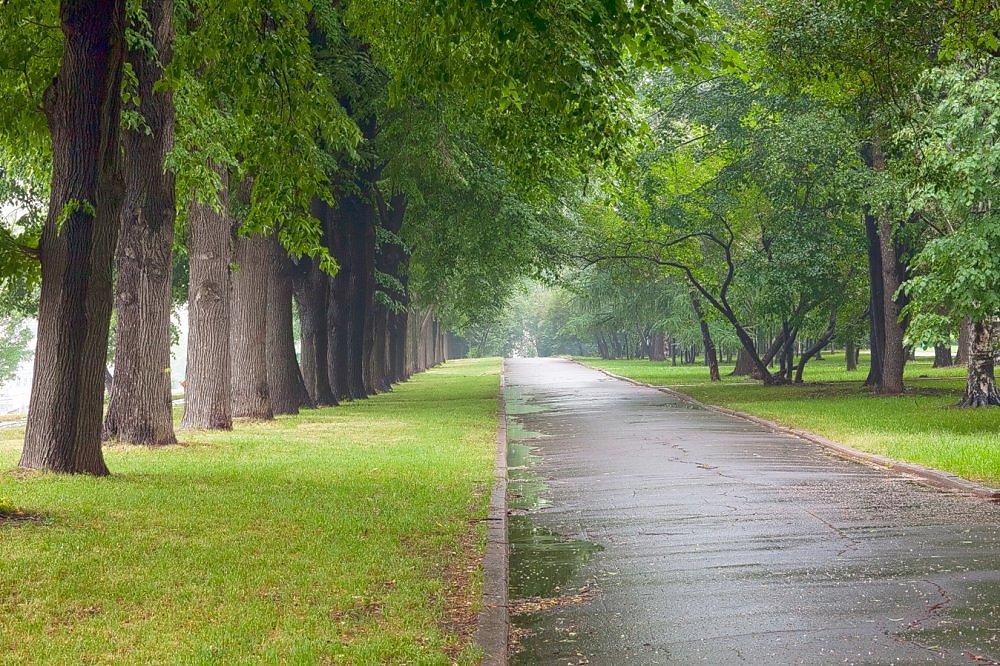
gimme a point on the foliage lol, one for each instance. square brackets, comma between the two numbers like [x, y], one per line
[548, 82]
[954, 184]
[15, 346]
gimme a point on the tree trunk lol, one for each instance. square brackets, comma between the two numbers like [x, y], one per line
[942, 356]
[284, 378]
[207, 394]
[602, 348]
[893, 354]
[390, 260]
[744, 364]
[140, 409]
[343, 360]
[251, 396]
[711, 357]
[814, 349]
[964, 341]
[876, 307]
[312, 287]
[851, 356]
[981, 387]
[83, 108]
[657, 350]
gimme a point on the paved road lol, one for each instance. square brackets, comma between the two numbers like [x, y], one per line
[724, 543]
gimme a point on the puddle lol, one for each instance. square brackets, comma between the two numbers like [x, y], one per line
[542, 562]
[524, 487]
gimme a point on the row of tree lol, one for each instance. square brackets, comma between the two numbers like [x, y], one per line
[380, 165]
[830, 175]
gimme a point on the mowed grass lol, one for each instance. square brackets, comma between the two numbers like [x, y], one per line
[343, 535]
[921, 426]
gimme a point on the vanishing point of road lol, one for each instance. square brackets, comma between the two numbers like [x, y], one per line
[667, 534]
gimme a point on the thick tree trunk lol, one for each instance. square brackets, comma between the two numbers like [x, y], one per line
[851, 352]
[711, 357]
[251, 396]
[964, 341]
[284, 378]
[744, 364]
[981, 387]
[140, 409]
[876, 306]
[312, 288]
[657, 350]
[391, 260]
[83, 108]
[207, 394]
[942, 356]
[893, 354]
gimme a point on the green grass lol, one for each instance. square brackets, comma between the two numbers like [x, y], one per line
[344, 535]
[921, 426]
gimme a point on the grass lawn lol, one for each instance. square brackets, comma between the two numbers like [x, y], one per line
[921, 426]
[343, 535]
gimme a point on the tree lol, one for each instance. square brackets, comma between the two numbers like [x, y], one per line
[83, 107]
[954, 184]
[140, 409]
[860, 58]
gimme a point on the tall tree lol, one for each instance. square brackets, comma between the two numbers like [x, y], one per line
[250, 394]
[139, 409]
[207, 393]
[83, 108]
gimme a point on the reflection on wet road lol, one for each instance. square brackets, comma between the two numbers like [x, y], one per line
[650, 532]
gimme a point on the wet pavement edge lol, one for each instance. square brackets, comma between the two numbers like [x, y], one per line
[932, 477]
[493, 632]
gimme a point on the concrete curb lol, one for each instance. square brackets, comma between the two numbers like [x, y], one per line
[493, 632]
[931, 477]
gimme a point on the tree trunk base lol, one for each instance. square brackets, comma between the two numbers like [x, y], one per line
[989, 399]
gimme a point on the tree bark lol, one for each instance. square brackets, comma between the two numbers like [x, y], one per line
[82, 106]
[964, 341]
[851, 356]
[658, 350]
[876, 308]
[251, 395]
[942, 356]
[140, 409]
[744, 364]
[390, 260]
[981, 387]
[284, 378]
[312, 288]
[711, 357]
[207, 394]
[893, 354]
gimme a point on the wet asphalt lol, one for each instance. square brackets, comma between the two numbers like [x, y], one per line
[647, 531]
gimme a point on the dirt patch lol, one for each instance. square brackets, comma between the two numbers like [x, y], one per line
[461, 596]
[19, 518]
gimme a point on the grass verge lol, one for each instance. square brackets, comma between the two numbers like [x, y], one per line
[921, 426]
[343, 535]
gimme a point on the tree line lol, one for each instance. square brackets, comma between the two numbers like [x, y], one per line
[381, 170]
[828, 176]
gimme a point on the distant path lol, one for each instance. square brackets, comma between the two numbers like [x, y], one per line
[725, 543]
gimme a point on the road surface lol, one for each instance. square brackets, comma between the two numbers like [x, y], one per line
[669, 534]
